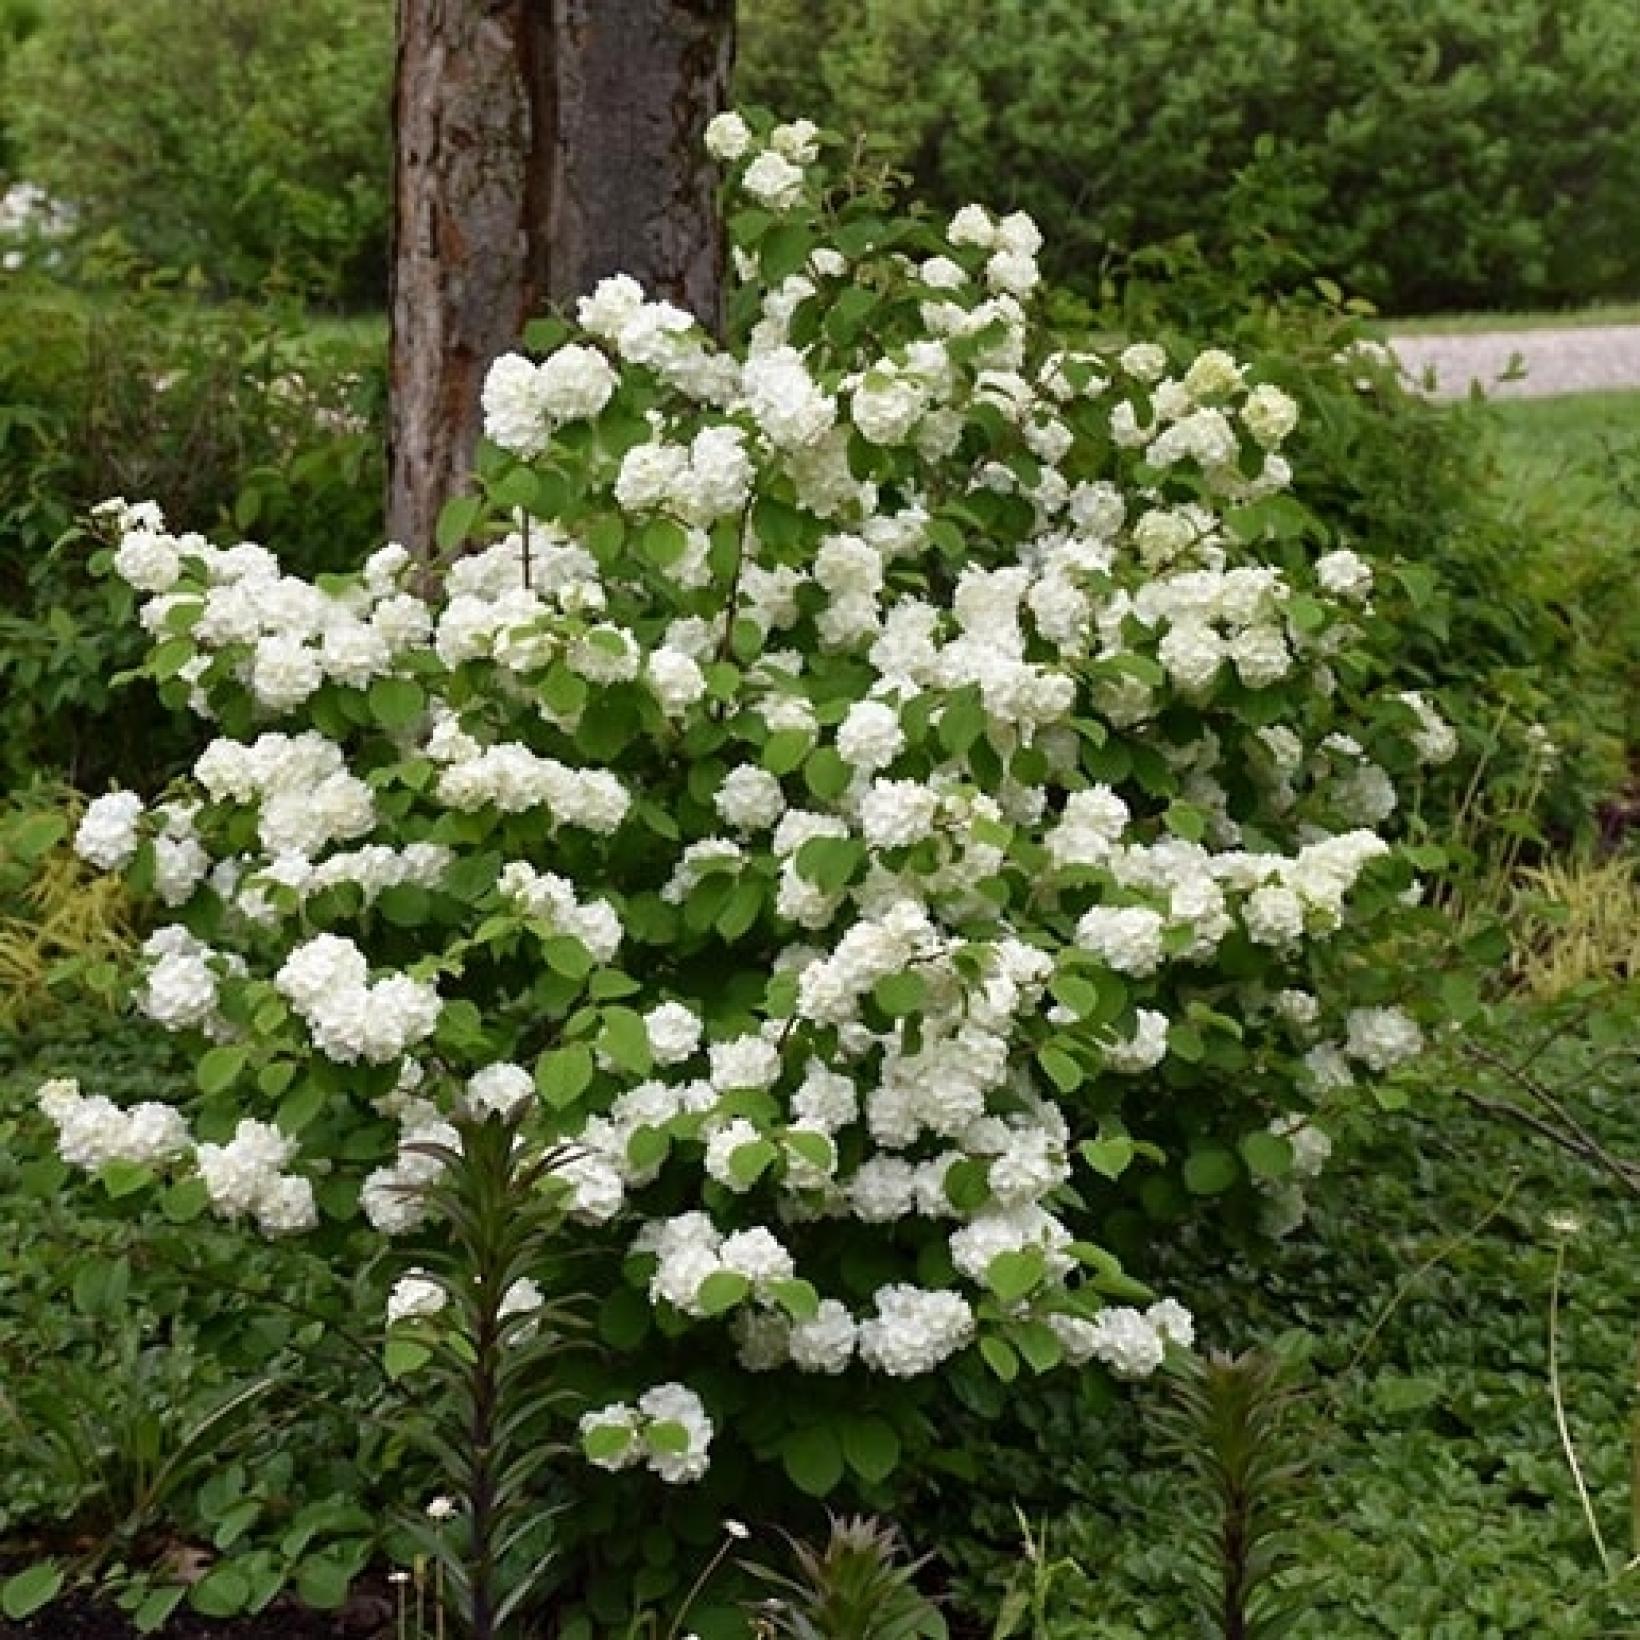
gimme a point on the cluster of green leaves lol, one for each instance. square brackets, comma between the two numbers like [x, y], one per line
[1430, 153]
[234, 417]
[1416, 1298]
[249, 142]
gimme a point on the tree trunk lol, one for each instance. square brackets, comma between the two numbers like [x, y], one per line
[540, 145]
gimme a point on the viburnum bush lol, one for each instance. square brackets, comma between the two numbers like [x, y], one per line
[890, 790]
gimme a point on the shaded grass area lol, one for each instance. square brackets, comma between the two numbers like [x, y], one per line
[1439, 1502]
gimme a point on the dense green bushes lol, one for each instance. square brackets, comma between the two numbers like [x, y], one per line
[250, 141]
[1428, 153]
[234, 417]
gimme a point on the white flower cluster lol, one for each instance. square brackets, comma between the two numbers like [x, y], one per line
[666, 1410]
[244, 1177]
[327, 981]
[1132, 1343]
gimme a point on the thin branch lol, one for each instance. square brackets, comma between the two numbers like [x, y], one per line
[1590, 1150]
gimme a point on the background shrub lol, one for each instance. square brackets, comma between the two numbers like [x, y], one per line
[1428, 153]
[247, 140]
[240, 416]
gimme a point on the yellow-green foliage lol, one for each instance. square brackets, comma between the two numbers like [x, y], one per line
[56, 913]
[1575, 921]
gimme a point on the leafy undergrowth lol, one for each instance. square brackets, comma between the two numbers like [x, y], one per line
[1439, 1502]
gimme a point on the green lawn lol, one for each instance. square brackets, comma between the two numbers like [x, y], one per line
[1445, 324]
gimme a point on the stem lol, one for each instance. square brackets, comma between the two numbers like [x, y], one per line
[696, 1587]
[725, 648]
[1560, 1409]
[1439, 1256]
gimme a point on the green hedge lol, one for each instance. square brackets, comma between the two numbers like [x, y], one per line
[247, 139]
[1429, 154]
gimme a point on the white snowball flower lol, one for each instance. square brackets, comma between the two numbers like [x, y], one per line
[415, 1297]
[108, 833]
[772, 179]
[575, 383]
[727, 136]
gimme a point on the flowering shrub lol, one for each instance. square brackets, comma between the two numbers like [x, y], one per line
[889, 790]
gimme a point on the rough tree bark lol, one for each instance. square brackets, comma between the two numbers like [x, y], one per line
[540, 144]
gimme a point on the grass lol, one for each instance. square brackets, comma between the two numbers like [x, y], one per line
[1450, 324]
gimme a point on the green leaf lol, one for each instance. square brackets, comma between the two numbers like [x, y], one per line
[302, 1107]
[999, 1358]
[1109, 1156]
[784, 250]
[157, 1607]
[797, 1297]
[1039, 1344]
[900, 994]
[564, 691]
[405, 905]
[403, 1356]
[185, 1201]
[27, 1591]
[605, 1441]
[1080, 995]
[562, 1075]
[456, 521]
[125, 1178]
[777, 525]
[722, 1291]
[1267, 1155]
[871, 1447]
[220, 1068]
[323, 1581]
[829, 862]
[224, 1591]
[625, 1040]
[826, 774]
[816, 1149]
[748, 1162]
[648, 1147]
[396, 702]
[567, 956]
[968, 1184]
[785, 750]
[668, 1435]
[1012, 1275]
[813, 1458]
[663, 542]
[1185, 821]
[1210, 1171]
[962, 723]
[1063, 1071]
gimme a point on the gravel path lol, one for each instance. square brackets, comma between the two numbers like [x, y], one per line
[1578, 359]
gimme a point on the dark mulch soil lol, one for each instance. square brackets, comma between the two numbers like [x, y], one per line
[81, 1617]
